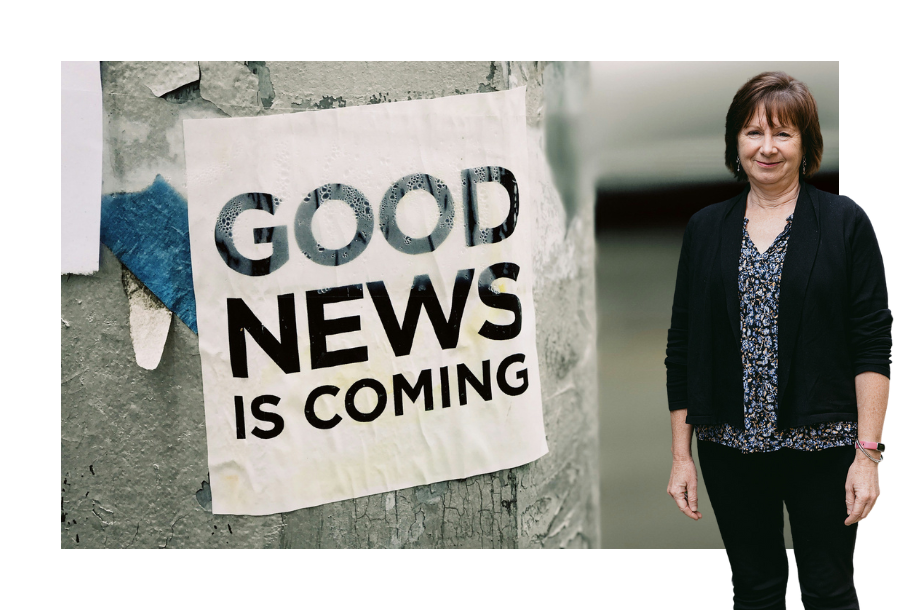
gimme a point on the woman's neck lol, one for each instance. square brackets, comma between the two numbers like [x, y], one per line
[769, 199]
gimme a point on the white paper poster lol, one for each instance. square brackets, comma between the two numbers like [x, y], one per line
[82, 166]
[364, 298]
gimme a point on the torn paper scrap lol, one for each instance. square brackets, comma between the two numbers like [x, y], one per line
[148, 233]
[149, 321]
[81, 178]
[228, 84]
[162, 77]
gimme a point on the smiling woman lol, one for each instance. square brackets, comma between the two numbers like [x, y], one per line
[773, 121]
[778, 355]
[772, 152]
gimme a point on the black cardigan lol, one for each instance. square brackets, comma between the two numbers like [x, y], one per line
[833, 318]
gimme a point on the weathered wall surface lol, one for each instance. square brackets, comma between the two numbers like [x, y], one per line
[133, 469]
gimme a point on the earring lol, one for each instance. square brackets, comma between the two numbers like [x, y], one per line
[738, 160]
[804, 164]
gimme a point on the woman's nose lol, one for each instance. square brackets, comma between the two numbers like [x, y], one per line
[768, 145]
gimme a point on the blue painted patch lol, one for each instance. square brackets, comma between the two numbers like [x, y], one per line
[148, 233]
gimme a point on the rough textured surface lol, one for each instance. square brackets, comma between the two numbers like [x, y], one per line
[148, 233]
[149, 320]
[161, 77]
[317, 85]
[133, 469]
[134, 441]
[230, 85]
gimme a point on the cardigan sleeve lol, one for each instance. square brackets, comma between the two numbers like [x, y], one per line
[870, 319]
[676, 347]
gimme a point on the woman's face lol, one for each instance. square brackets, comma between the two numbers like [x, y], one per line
[770, 154]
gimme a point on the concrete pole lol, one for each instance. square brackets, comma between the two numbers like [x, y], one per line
[133, 468]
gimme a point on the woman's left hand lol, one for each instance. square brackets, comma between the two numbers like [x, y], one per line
[862, 489]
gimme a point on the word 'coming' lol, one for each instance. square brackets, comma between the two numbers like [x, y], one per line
[423, 388]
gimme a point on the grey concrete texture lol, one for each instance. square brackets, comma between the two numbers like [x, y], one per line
[133, 468]
[134, 441]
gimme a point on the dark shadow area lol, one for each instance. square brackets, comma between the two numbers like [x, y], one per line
[669, 206]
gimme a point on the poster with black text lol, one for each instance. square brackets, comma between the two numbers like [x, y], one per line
[364, 285]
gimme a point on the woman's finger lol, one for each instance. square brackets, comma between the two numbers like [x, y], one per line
[679, 495]
[692, 496]
[681, 499]
[683, 502]
[870, 504]
[859, 507]
[856, 510]
[690, 513]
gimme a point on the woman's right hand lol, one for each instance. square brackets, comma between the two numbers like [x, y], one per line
[683, 486]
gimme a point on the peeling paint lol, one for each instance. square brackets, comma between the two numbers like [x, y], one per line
[142, 133]
[265, 93]
[305, 84]
[204, 498]
[184, 94]
[161, 77]
[230, 85]
[330, 102]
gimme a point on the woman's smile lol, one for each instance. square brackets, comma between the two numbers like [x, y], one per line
[770, 154]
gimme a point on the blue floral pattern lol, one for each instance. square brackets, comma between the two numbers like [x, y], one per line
[759, 281]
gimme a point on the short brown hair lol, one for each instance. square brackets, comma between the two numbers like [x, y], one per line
[784, 97]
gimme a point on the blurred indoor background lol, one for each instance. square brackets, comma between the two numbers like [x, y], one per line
[653, 146]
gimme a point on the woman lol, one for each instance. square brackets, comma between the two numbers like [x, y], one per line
[778, 355]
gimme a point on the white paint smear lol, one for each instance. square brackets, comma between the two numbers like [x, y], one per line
[81, 178]
[281, 439]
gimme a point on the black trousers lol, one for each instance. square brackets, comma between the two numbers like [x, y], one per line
[747, 492]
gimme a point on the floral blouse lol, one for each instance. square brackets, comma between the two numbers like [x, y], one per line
[759, 281]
